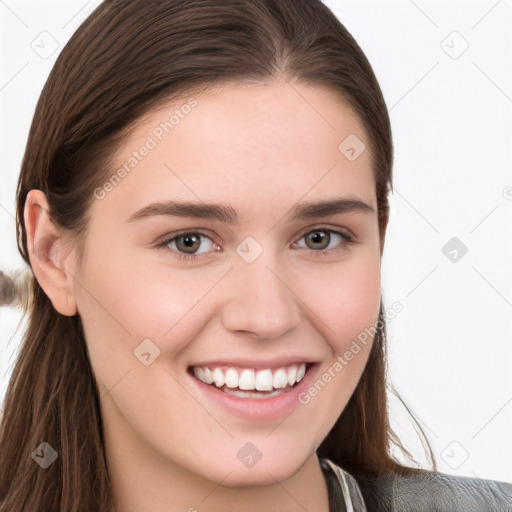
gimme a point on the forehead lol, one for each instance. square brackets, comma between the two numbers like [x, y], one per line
[252, 145]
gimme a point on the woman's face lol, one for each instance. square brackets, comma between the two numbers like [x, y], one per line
[246, 283]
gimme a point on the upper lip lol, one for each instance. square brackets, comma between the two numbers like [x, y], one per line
[274, 363]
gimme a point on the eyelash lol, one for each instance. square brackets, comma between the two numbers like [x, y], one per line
[347, 240]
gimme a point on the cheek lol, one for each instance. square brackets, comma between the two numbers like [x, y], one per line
[347, 313]
[358, 303]
[122, 303]
[346, 298]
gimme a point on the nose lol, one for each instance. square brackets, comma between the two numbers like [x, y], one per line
[261, 301]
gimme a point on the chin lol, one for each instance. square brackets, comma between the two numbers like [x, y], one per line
[261, 474]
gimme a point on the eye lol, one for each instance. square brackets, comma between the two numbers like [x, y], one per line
[191, 245]
[188, 245]
[319, 240]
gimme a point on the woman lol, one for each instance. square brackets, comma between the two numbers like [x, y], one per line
[203, 203]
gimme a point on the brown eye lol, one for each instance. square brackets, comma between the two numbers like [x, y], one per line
[190, 243]
[319, 240]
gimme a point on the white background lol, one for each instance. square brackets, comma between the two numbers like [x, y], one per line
[450, 348]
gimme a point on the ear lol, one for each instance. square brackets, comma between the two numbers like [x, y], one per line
[49, 251]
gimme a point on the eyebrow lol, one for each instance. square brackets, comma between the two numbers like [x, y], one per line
[227, 214]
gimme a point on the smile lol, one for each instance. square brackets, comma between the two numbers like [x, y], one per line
[266, 392]
[252, 382]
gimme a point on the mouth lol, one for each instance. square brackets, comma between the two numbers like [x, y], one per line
[246, 382]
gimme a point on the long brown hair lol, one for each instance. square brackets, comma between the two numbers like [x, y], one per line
[127, 58]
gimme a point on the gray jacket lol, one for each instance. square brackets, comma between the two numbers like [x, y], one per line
[427, 491]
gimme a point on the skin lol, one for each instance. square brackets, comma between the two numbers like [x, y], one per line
[260, 149]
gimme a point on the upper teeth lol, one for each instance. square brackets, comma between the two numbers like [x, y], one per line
[249, 378]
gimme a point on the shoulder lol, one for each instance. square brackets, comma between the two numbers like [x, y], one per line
[429, 491]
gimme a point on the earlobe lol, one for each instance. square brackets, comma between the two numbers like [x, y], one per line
[48, 251]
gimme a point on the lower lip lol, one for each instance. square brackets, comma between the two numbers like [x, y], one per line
[257, 409]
